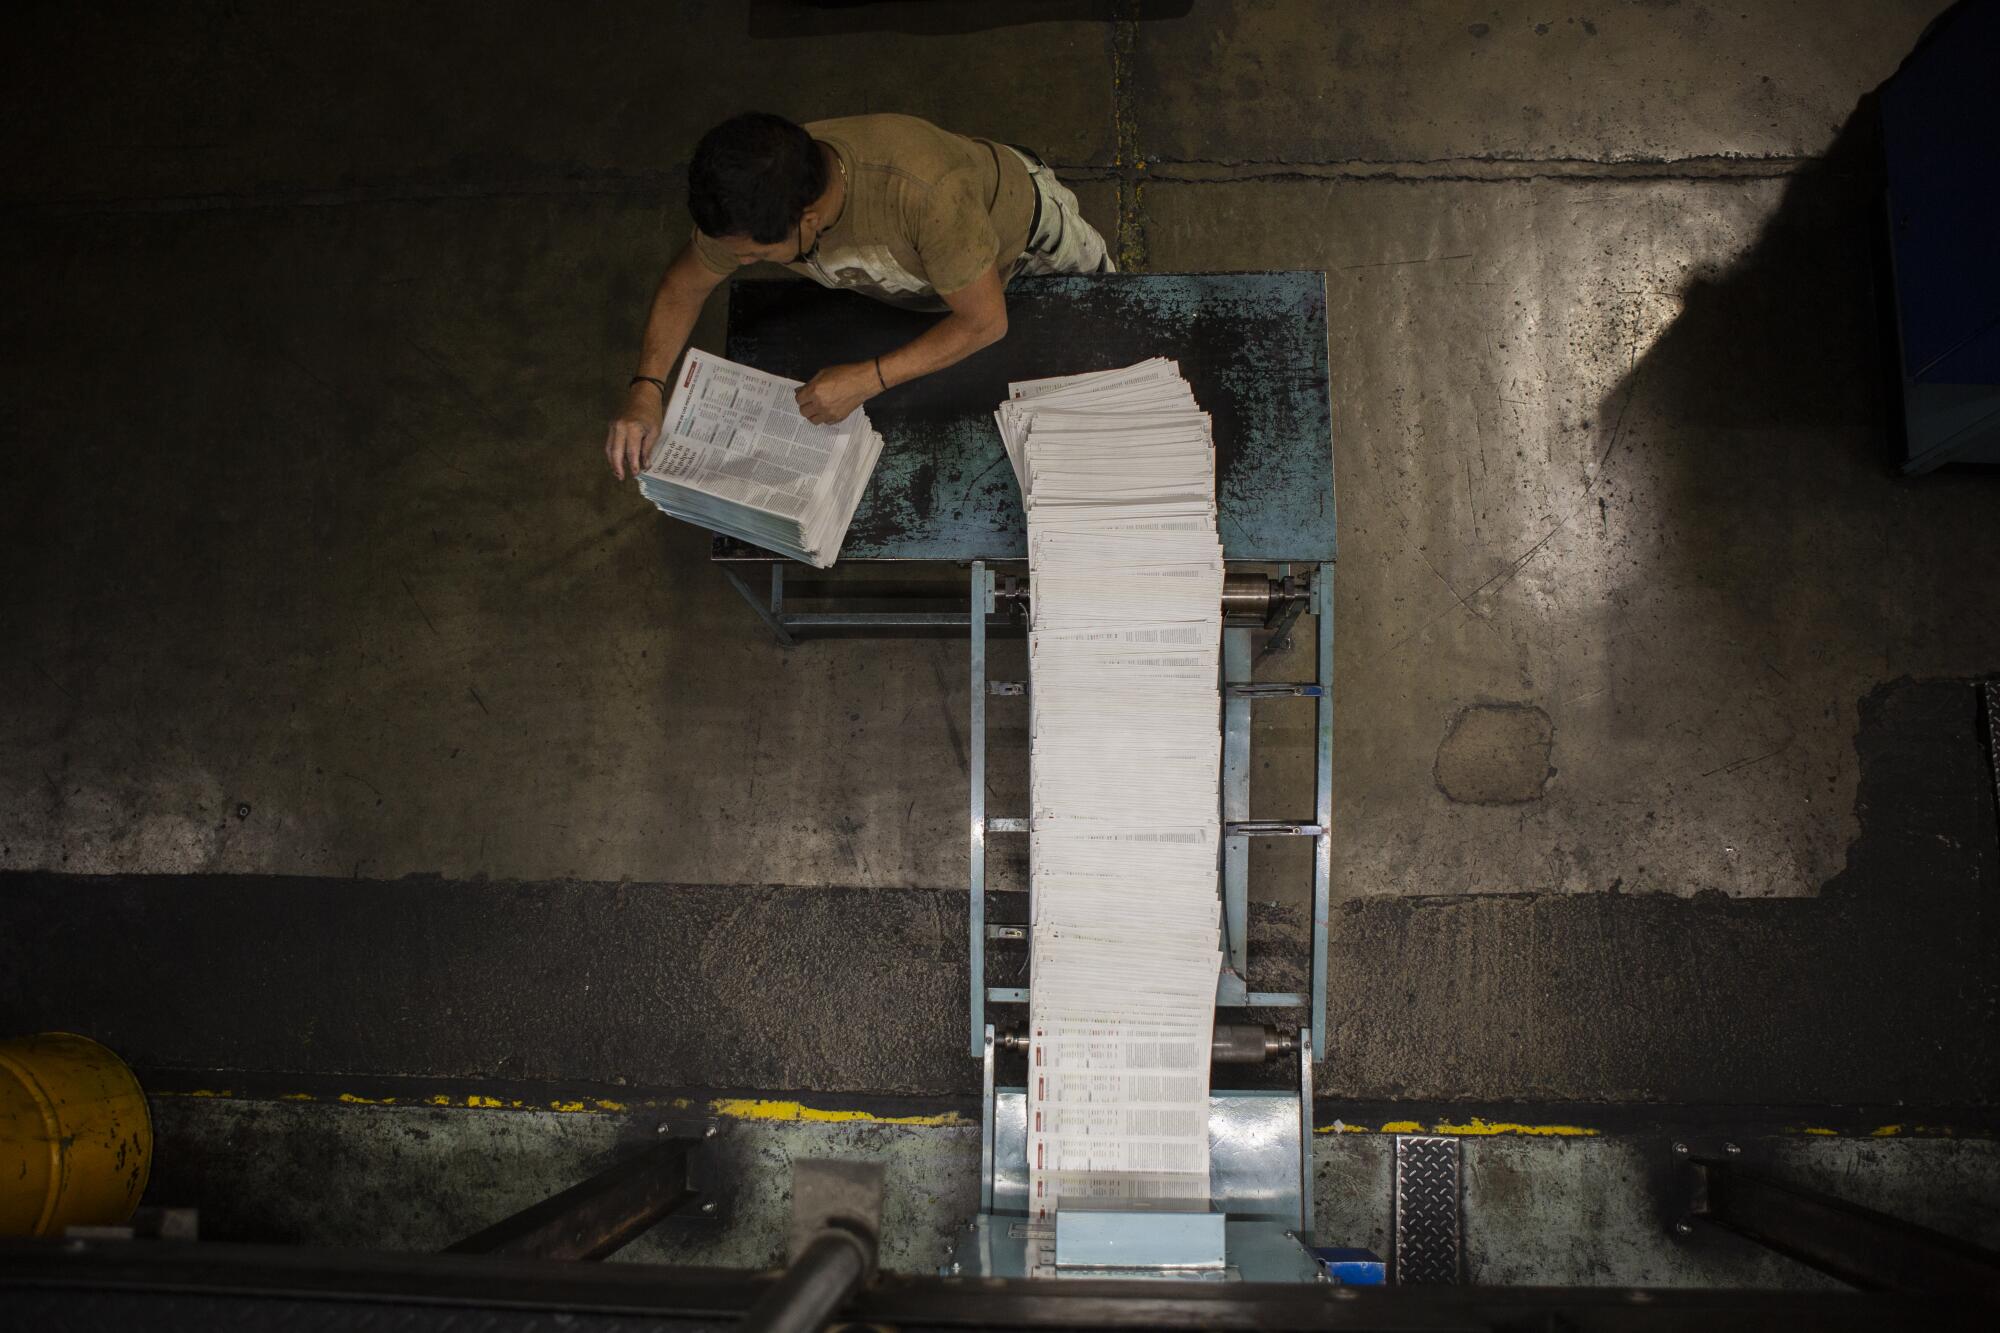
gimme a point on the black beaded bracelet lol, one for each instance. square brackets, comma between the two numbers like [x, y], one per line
[661, 385]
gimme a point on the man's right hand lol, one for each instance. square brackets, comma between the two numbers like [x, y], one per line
[633, 431]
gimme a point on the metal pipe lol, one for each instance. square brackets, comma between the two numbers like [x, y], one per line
[1253, 599]
[817, 1283]
[597, 1217]
[980, 601]
[1249, 599]
[1249, 1044]
[1233, 1043]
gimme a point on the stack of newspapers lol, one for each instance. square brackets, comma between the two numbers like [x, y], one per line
[1125, 579]
[736, 456]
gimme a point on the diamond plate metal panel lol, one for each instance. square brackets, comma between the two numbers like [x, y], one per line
[1429, 1221]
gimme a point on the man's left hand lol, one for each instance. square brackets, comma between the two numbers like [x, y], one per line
[835, 392]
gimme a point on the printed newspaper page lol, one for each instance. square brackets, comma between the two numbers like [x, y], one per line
[737, 433]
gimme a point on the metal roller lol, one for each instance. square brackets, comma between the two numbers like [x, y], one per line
[1252, 599]
[1246, 598]
[1249, 599]
[1249, 1044]
[1233, 1044]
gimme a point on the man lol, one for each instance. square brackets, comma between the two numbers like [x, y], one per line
[890, 206]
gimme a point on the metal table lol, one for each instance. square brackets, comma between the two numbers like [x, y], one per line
[1253, 347]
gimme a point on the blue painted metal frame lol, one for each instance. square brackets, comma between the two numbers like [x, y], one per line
[1236, 668]
[981, 604]
[1232, 990]
[1233, 987]
[1253, 346]
[774, 618]
[1323, 794]
[986, 1122]
[1306, 1127]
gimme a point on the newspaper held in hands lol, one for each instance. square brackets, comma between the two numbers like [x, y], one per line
[736, 456]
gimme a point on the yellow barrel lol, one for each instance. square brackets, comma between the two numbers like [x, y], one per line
[76, 1139]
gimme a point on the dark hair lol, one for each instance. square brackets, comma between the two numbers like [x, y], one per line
[754, 175]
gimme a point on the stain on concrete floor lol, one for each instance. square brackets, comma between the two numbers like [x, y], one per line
[1496, 754]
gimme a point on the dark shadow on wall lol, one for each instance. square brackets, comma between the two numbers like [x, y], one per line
[940, 18]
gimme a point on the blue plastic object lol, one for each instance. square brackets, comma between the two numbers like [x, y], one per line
[1352, 1267]
[1941, 149]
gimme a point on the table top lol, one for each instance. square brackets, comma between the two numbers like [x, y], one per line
[1252, 346]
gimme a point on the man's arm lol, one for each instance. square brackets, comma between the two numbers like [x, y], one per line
[676, 306]
[978, 319]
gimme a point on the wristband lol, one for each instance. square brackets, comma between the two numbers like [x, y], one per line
[878, 375]
[661, 385]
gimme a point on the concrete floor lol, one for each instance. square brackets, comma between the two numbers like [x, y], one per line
[315, 574]
[1593, 360]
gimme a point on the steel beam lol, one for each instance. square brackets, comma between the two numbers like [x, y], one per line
[93, 1284]
[599, 1216]
[1305, 1132]
[1322, 588]
[1235, 803]
[980, 603]
[772, 615]
[829, 1270]
[986, 1123]
[836, 1232]
[1858, 1245]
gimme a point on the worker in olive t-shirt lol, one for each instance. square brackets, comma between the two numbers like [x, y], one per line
[889, 206]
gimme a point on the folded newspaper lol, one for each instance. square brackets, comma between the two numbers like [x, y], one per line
[736, 456]
[1124, 647]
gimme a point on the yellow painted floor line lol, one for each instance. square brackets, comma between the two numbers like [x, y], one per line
[766, 1110]
[786, 1111]
[1475, 1126]
[738, 1108]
